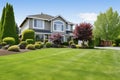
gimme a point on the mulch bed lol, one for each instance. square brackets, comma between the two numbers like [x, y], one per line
[6, 52]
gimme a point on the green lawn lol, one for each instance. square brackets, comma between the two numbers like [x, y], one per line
[61, 64]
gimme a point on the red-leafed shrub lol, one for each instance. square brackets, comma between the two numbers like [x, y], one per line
[56, 38]
[83, 32]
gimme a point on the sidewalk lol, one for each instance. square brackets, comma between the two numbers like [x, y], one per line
[115, 48]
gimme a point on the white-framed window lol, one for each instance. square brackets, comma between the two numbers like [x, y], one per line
[38, 24]
[68, 27]
[58, 25]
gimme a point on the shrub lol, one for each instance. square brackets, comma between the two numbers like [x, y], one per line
[65, 43]
[117, 40]
[9, 40]
[28, 34]
[23, 44]
[113, 44]
[71, 42]
[45, 41]
[91, 43]
[56, 38]
[30, 41]
[30, 46]
[78, 46]
[41, 45]
[3, 43]
[37, 46]
[48, 44]
[38, 42]
[97, 41]
[73, 46]
[14, 48]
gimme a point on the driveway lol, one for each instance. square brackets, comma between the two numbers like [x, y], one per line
[115, 48]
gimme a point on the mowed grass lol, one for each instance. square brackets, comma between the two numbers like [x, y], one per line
[61, 64]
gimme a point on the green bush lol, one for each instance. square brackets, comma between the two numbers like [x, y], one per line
[3, 43]
[37, 46]
[78, 46]
[23, 44]
[113, 44]
[117, 40]
[91, 43]
[97, 41]
[14, 48]
[30, 41]
[41, 45]
[45, 41]
[38, 42]
[48, 44]
[9, 40]
[28, 34]
[75, 41]
[30, 46]
[65, 43]
[71, 42]
[73, 46]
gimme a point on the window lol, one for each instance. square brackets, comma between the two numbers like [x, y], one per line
[58, 26]
[68, 27]
[38, 24]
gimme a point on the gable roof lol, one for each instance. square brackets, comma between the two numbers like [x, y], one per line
[41, 16]
[44, 17]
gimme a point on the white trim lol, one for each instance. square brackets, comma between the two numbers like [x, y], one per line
[58, 30]
[58, 16]
[42, 25]
[38, 18]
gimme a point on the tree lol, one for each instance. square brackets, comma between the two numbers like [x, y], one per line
[8, 28]
[107, 25]
[83, 32]
[1, 22]
[17, 29]
[28, 34]
[56, 38]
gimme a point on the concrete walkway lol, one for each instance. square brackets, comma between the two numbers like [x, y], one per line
[115, 48]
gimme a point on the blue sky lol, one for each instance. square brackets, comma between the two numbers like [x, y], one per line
[73, 10]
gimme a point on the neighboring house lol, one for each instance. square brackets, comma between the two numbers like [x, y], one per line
[44, 25]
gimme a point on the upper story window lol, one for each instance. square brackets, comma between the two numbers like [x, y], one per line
[39, 24]
[58, 25]
[68, 27]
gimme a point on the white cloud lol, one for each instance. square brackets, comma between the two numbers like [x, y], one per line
[90, 17]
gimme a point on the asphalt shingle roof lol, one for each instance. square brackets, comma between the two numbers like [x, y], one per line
[43, 16]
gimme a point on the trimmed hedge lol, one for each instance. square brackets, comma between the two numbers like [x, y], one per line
[78, 46]
[28, 34]
[37, 46]
[41, 45]
[3, 43]
[71, 42]
[30, 41]
[14, 48]
[23, 44]
[73, 46]
[48, 44]
[30, 46]
[9, 40]
[38, 42]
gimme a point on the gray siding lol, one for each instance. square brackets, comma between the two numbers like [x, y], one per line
[31, 23]
[47, 25]
[58, 18]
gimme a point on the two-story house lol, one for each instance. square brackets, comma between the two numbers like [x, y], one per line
[44, 25]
